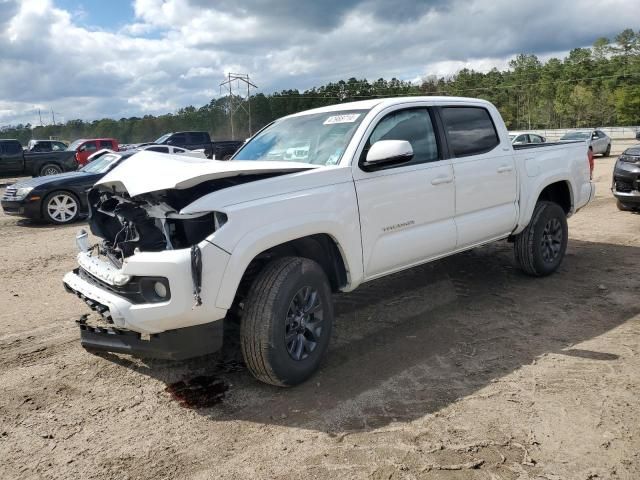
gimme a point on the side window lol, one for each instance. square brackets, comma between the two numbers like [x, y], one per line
[106, 144]
[520, 140]
[58, 147]
[470, 130]
[158, 149]
[413, 125]
[90, 146]
[536, 139]
[178, 150]
[179, 139]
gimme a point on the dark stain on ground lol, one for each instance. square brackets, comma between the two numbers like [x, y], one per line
[202, 391]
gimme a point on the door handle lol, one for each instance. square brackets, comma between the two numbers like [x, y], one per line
[505, 169]
[441, 180]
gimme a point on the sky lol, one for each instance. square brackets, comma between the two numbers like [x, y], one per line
[92, 59]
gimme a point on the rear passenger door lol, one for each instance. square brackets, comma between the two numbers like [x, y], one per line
[406, 210]
[485, 175]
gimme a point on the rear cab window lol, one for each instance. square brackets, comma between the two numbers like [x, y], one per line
[10, 147]
[198, 137]
[470, 130]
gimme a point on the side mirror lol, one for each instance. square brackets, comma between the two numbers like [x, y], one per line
[387, 152]
[594, 135]
[82, 148]
[170, 142]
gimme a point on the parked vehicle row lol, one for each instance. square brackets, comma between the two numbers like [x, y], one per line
[62, 198]
[15, 161]
[380, 186]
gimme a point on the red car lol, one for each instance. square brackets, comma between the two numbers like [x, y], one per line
[84, 148]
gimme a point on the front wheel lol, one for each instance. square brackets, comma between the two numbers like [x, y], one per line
[61, 207]
[541, 246]
[286, 325]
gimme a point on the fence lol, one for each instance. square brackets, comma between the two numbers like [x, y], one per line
[616, 133]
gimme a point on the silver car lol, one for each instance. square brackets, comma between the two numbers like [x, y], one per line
[599, 142]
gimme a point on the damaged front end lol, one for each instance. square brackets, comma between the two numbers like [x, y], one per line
[156, 272]
[148, 223]
[144, 277]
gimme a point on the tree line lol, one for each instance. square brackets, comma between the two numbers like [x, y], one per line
[594, 86]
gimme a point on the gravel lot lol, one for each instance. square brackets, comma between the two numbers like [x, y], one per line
[460, 369]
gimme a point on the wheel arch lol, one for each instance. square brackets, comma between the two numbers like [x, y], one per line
[558, 192]
[323, 248]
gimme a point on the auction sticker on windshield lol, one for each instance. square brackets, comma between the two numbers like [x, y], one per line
[347, 118]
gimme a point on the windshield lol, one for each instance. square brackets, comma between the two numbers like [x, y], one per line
[163, 138]
[511, 137]
[75, 144]
[576, 136]
[101, 164]
[318, 138]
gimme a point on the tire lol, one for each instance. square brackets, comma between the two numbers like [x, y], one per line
[607, 152]
[61, 207]
[286, 325]
[50, 169]
[625, 207]
[541, 246]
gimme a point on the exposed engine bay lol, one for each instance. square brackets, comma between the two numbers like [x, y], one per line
[152, 222]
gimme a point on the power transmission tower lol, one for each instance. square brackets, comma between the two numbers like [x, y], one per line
[237, 101]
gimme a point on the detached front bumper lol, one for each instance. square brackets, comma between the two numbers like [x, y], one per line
[171, 345]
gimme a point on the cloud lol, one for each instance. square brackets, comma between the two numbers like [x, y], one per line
[175, 52]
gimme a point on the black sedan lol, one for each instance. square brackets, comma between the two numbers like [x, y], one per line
[626, 179]
[61, 198]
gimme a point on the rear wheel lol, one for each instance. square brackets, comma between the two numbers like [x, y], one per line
[50, 169]
[61, 207]
[541, 246]
[286, 325]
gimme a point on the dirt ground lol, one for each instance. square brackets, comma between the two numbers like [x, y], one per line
[460, 369]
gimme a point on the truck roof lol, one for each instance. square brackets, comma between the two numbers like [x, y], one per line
[387, 102]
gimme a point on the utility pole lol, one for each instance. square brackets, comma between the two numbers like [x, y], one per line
[53, 117]
[235, 104]
[40, 116]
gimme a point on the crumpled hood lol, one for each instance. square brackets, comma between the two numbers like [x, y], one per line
[149, 171]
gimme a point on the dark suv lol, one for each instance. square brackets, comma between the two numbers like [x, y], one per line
[221, 150]
[626, 179]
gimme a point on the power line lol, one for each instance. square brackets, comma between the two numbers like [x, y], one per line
[233, 105]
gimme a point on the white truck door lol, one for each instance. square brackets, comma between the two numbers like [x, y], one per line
[485, 173]
[406, 210]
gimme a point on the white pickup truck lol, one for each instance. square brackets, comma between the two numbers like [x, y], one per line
[375, 187]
